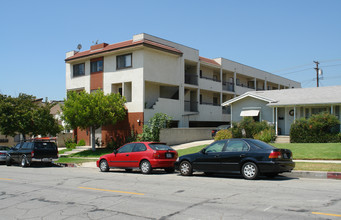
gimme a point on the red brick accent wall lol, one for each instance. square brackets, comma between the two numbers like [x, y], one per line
[83, 134]
[96, 78]
[123, 128]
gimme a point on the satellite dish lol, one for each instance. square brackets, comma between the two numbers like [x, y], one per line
[320, 72]
[79, 46]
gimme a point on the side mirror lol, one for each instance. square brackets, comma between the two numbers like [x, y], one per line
[115, 151]
[203, 151]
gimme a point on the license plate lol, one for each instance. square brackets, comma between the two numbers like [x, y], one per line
[46, 160]
[169, 155]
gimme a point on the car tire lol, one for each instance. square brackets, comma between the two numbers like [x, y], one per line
[145, 167]
[8, 161]
[250, 171]
[23, 162]
[186, 168]
[103, 166]
[170, 170]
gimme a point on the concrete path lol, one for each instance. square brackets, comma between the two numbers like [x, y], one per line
[191, 144]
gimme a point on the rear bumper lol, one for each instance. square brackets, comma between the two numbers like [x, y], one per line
[160, 163]
[44, 159]
[276, 166]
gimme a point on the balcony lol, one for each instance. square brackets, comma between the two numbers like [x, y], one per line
[245, 86]
[227, 86]
[191, 106]
[209, 78]
[191, 79]
[209, 103]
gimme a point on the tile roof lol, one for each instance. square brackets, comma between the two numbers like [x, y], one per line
[207, 60]
[125, 44]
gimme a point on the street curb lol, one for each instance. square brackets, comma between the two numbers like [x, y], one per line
[67, 164]
[314, 174]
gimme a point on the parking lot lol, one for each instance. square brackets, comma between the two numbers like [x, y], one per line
[86, 193]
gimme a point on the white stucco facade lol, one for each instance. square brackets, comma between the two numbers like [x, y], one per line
[172, 78]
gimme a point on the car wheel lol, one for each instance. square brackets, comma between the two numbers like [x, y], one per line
[103, 166]
[186, 168]
[23, 162]
[129, 170]
[145, 167]
[170, 170]
[8, 161]
[250, 171]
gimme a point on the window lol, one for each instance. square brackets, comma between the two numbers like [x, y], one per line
[215, 147]
[139, 147]
[79, 70]
[123, 61]
[236, 146]
[126, 148]
[96, 66]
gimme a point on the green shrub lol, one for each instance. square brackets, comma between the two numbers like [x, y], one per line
[248, 128]
[223, 134]
[151, 131]
[70, 144]
[81, 142]
[319, 128]
[268, 135]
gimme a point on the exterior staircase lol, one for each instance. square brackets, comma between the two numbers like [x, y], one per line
[76, 150]
[281, 139]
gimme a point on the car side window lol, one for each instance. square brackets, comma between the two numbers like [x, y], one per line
[17, 146]
[236, 146]
[216, 147]
[26, 146]
[126, 148]
[139, 147]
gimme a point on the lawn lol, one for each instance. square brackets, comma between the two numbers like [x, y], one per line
[94, 154]
[73, 160]
[313, 151]
[330, 167]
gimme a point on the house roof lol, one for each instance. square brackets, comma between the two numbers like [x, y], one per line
[298, 96]
[121, 45]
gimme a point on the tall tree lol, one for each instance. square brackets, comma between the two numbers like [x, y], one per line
[93, 110]
[23, 115]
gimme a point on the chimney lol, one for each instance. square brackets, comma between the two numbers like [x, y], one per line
[98, 46]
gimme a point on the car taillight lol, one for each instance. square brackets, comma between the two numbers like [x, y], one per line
[2, 153]
[156, 155]
[32, 154]
[275, 155]
[212, 131]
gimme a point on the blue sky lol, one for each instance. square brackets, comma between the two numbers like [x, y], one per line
[281, 37]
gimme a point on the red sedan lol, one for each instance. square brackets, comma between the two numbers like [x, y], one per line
[144, 155]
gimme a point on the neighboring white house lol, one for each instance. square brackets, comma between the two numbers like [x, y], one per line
[282, 107]
[157, 75]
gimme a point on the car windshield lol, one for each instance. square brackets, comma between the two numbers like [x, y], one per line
[4, 148]
[261, 144]
[160, 147]
[223, 127]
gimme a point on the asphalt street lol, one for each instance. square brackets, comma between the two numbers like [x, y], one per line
[86, 193]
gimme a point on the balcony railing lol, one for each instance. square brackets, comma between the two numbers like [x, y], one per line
[191, 79]
[246, 86]
[208, 78]
[209, 103]
[191, 106]
[226, 110]
[227, 86]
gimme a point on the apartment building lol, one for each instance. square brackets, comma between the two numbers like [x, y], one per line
[157, 75]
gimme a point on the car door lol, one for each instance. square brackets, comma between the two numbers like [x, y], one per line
[15, 152]
[122, 158]
[137, 154]
[210, 157]
[234, 152]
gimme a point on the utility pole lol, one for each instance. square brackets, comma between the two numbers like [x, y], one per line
[317, 73]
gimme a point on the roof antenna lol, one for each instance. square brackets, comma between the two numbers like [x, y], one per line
[95, 42]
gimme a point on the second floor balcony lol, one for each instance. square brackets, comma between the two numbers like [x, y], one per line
[191, 79]
[191, 106]
[227, 86]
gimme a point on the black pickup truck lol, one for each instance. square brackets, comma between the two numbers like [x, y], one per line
[26, 153]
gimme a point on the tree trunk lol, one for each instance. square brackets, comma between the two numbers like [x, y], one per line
[93, 138]
[23, 137]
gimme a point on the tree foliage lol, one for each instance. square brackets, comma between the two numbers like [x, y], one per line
[23, 115]
[151, 130]
[93, 110]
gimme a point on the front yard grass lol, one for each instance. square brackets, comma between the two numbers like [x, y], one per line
[73, 160]
[328, 167]
[313, 151]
